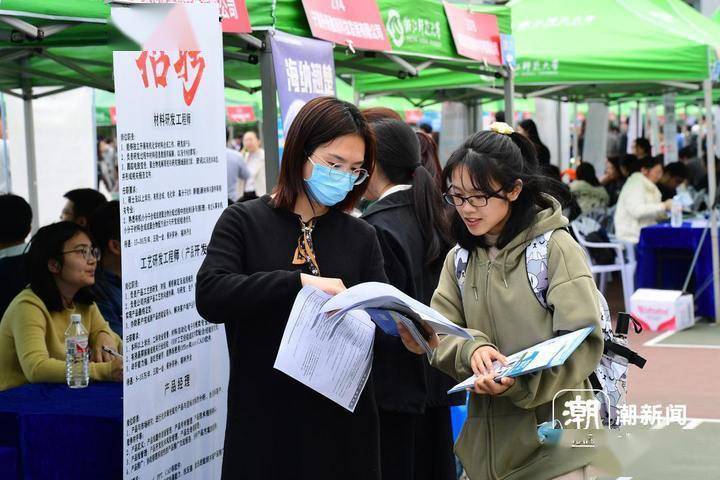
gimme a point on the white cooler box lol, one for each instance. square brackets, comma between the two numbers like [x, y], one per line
[663, 310]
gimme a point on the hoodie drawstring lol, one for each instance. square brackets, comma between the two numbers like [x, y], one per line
[505, 269]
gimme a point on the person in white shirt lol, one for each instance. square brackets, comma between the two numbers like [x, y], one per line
[255, 159]
[236, 169]
[639, 204]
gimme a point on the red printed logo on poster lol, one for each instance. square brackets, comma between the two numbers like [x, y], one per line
[189, 68]
[347, 22]
[476, 35]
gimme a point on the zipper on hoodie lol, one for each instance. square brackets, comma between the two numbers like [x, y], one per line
[487, 302]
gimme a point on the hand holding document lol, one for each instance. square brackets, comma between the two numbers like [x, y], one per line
[547, 354]
[331, 356]
[371, 296]
[328, 341]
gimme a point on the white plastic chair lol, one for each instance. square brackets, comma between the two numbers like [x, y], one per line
[625, 262]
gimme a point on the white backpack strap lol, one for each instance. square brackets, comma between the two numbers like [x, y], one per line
[536, 263]
[461, 263]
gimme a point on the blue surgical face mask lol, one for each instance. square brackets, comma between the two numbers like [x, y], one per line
[329, 187]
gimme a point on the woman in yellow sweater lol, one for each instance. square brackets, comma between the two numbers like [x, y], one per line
[62, 265]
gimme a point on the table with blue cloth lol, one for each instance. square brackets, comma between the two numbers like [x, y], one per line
[664, 255]
[49, 431]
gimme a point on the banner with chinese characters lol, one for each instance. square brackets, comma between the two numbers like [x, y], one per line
[234, 13]
[476, 35]
[304, 69]
[171, 139]
[240, 114]
[354, 23]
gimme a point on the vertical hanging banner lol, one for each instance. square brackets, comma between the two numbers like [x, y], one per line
[171, 126]
[304, 69]
[476, 35]
[670, 129]
[234, 13]
[507, 45]
[634, 129]
[596, 133]
[356, 24]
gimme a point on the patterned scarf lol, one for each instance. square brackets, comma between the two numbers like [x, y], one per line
[304, 253]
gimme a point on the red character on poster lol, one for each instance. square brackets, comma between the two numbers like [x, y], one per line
[156, 59]
[197, 64]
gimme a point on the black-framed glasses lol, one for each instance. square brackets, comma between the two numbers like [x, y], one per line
[89, 253]
[474, 200]
[338, 171]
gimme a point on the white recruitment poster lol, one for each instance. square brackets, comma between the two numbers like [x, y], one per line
[170, 125]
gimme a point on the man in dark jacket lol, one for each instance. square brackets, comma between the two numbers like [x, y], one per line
[14, 228]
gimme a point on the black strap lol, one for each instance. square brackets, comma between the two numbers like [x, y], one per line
[623, 351]
[595, 382]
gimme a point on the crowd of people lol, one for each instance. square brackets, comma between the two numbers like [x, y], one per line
[361, 197]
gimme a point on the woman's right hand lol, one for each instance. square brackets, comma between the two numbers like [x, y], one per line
[331, 286]
[668, 204]
[116, 369]
[482, 360]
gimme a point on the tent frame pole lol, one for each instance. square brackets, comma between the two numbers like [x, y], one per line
[31, 161]
[270, 115]
[712, 193]
[509, 88]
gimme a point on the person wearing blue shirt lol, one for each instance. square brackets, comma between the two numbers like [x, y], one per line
[105, 229]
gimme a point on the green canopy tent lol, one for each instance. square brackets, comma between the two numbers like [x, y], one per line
[67, 44]
[599, 49]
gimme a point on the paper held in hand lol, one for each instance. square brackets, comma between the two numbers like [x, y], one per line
[328, 341]
[547, 354]
[376, 295]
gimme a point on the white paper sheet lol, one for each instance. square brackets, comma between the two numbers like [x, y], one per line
[331, 356]
[382, 295]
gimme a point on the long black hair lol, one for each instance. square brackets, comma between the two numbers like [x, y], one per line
[531, 131]
[586, 172]
[46, 245]
[500, 159]
[398, 156]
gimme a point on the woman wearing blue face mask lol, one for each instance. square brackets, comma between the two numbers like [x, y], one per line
[261, 254]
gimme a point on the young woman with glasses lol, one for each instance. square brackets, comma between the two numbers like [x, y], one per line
[261, 254]
[62, 262]
[501, 206]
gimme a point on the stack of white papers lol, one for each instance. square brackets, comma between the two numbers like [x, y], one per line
[328, 341]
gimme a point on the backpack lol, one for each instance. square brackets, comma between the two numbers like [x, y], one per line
[610, 376]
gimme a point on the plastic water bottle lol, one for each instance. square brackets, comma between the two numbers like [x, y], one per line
[676, 212]
[76, 361]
